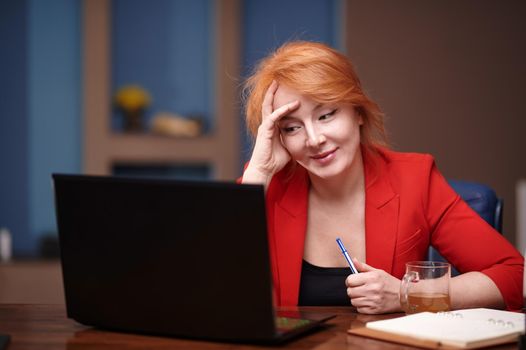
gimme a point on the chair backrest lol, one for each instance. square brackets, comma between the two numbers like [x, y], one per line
[480, 198]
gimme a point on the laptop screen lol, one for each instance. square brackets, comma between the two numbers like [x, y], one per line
[161, 256]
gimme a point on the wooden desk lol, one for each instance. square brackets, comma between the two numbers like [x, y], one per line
[31, 282]
[46, 327]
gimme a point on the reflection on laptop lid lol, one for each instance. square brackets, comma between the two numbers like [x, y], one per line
[168, 257]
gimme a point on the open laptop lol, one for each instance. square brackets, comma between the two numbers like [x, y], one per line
[181, 258]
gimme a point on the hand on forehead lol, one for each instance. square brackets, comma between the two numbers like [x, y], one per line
[285, 94]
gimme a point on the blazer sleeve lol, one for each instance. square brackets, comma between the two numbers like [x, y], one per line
[469, 242]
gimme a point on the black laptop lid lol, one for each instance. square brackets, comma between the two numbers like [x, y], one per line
[170, 257]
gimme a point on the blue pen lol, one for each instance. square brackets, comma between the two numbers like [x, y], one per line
[346, 255]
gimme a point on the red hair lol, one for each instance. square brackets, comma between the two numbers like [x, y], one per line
[320, 73]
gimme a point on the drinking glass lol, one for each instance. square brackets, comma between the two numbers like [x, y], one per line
[425, 287]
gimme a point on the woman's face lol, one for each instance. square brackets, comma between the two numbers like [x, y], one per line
[324, 139]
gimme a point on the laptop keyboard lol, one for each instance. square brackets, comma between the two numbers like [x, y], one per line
[284, 324]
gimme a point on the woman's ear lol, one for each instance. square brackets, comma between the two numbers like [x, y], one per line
[359, 113]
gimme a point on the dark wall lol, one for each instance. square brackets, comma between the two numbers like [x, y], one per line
[14, 201]
[450, 77]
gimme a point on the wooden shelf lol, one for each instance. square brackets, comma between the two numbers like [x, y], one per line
[103, 148]
[155, 148]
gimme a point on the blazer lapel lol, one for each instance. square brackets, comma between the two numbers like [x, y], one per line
[291, 223]
[381, 214]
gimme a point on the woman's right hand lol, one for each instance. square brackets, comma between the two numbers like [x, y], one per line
[269, 155]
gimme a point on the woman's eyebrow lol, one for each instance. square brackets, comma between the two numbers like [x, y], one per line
[287, 118]
[291, 117]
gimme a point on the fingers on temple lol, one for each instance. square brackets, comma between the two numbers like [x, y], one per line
[283, 110]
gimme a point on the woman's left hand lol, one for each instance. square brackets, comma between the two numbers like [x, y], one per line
[373, 291]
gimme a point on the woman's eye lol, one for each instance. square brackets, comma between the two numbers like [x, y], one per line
[328, 115]
[289, 129]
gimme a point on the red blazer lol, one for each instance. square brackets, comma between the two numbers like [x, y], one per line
[408, 206]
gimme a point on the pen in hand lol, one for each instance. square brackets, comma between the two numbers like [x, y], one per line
[346, 255]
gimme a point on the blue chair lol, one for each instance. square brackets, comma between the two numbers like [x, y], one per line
[483, 200]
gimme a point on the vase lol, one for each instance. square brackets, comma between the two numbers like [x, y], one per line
[133, 120]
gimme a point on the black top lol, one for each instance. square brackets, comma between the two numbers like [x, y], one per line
[323, 286]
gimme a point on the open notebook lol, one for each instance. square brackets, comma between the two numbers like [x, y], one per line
[468, 329]
[170, 257]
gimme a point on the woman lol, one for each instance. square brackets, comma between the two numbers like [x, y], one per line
[321, 153]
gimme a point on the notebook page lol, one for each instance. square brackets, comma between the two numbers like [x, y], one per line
[458, 328]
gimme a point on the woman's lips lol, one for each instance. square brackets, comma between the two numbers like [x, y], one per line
[325, 157]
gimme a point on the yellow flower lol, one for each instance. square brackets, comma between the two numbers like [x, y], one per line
[132, 98]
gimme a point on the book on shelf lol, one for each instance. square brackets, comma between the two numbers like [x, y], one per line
[464, 329]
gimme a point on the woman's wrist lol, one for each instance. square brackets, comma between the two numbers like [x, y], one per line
[254, 176]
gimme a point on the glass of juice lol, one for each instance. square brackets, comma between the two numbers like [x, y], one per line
[425, 287]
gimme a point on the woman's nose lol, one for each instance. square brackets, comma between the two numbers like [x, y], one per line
[315, 138]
